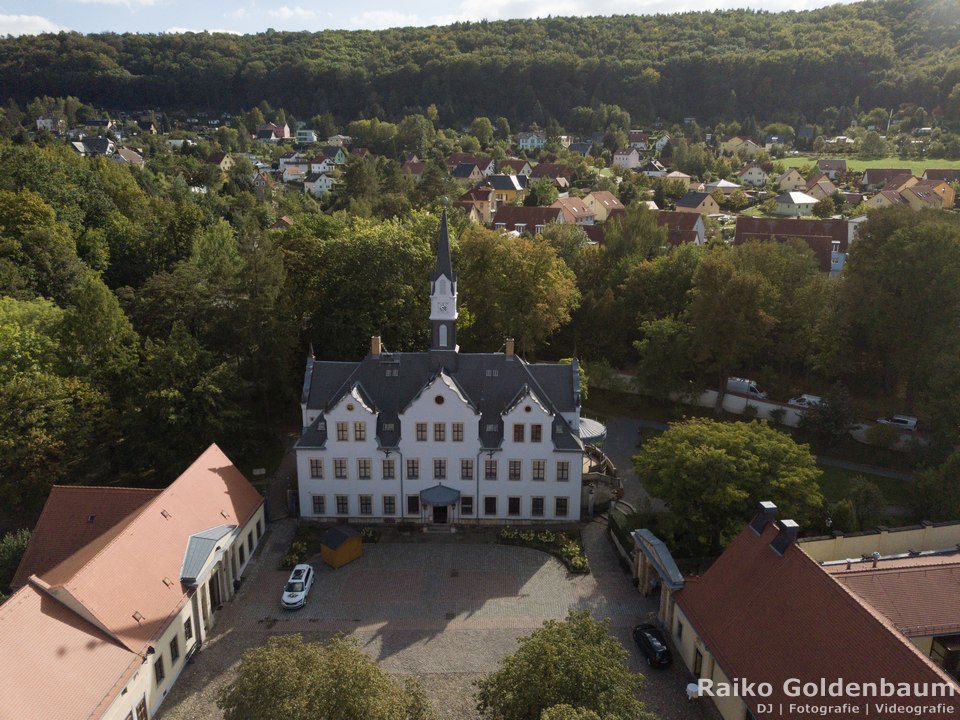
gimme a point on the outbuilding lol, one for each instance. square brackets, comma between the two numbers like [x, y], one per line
[340, 545]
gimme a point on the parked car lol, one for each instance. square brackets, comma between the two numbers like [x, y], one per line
[653, 645]
[745, 386]
[297, 587]
[904, 422]
[805, 401]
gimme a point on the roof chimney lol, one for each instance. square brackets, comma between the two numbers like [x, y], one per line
[375, 346]
[509, 351]
[786, 537]
[766, 515]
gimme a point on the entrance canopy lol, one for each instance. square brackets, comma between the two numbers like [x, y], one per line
[439, 495]
[592, 431]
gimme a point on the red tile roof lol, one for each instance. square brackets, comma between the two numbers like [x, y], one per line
[126, 582]
[72, 517]
[881, 176]
[819, 235]
[681, 226]
[511, 215]
[767, 617]
[918, 595]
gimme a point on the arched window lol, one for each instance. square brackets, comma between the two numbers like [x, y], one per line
[443, 336]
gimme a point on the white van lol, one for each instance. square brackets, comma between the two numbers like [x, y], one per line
[745, 386]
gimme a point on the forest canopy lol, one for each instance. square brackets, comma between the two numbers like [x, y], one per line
[709, 64]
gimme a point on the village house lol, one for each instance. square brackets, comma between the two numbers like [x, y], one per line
[487, 165]
[526, 219]
[794, 203]
[876, 178]
[575, 211]
[752, 174]
[677, 176]
[791, 180]
[441, 436]
[683, 227]
[833, 169]
[515, 166]
[119, 587]
[531, 140]
[829, 239]
[738, 144]
[603, 203]
[128, 156]
[697, 202]
[628, 158]
[638, 139]
[318, 184]
[414, 168]
[467, 173]
[507, 188]
[483, 200]
[820, 187]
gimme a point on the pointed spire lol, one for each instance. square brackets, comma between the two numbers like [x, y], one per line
[443, 266]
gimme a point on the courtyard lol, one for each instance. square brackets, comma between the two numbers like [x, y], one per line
[441, 611]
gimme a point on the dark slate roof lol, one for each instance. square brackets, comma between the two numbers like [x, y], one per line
[490, 382]
[692, 199]
[439, 495]
[337, 536]
[505, 182]
[465, 170]
[444, 266]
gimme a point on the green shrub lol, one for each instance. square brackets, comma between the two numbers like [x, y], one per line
[883, 436]
[295, 555]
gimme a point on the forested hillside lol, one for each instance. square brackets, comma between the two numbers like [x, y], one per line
[730, 64]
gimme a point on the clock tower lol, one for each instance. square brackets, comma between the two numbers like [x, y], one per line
[443, 296]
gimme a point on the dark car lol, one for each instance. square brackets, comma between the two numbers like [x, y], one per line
[653, 645]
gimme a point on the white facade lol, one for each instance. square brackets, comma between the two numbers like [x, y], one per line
[628, 158]
[383, 439]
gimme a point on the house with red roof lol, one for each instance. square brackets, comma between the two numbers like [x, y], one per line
[844, 614]
[119, 587]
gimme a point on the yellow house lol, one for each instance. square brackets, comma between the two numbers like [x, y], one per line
[508, 189]
[739, 144]
[775, 613]
[791, 181]
[698, 202]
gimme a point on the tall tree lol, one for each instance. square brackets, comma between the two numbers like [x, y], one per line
[575, 662]
[712, 475]
[290, 678]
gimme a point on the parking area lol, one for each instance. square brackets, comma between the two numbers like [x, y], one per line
[444, 612]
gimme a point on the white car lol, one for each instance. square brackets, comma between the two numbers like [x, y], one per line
[904, 422]
[805, 401]
[297, 587]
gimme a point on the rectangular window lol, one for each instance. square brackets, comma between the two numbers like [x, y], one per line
[536, 433]
[259, 530]
[457, 432]
[421, 431]
[513, 506]
[413, 469]
[489, 506]
[518, 433]
[343, 505]
[342, 431]
[340, 468]
[489, 469]
[539, 469]
[319, 505]
[360, 431]
[389, 469]
[316, 468]
[250, 542]
[158, 670]
[679, 630]
[514, 469]
[188, 629]
[536, 507]
[561, 507]
[363, 468]
[389, 505]
[466, 469]
[439, 432]
[439, 469]
[366, 504]
[563, 470]
[243, 556]
[466, 505]
[174, 650]
[413, 504]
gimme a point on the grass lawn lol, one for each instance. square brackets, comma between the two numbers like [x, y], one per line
[835, 482]
[856, 165]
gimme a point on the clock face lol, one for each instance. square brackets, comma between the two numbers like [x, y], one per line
[443, 307]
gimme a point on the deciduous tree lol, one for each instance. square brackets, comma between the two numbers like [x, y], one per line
[574, 662]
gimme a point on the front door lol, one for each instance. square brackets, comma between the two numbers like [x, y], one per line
[440, 514]
[215, 591]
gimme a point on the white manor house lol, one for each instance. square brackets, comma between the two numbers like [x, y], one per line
[440, 436]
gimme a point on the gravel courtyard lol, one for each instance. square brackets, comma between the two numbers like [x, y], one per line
[443, 612]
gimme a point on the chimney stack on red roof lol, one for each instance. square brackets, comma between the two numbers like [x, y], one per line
[766, 515]
[786, 537]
